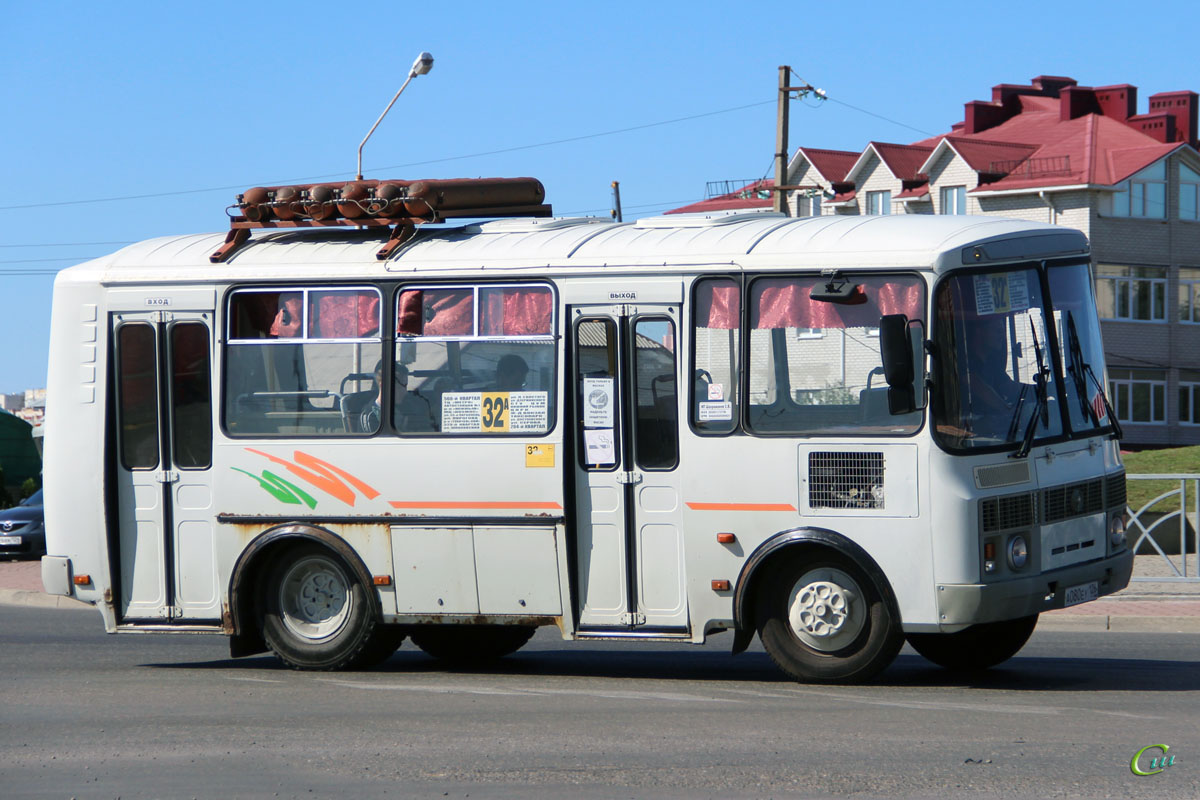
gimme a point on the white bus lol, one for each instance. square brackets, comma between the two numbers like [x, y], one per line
[836, 432]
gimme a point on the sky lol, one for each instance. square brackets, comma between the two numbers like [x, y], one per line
[126, 121]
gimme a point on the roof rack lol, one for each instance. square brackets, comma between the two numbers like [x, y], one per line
[396, 204]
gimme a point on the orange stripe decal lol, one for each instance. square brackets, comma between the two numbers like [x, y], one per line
[471, 504]
[741, 506]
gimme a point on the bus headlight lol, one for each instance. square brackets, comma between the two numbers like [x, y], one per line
[1018, 552]
[1116, 531]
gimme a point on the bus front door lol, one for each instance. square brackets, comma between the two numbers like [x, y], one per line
[629, 536]
[162, 424]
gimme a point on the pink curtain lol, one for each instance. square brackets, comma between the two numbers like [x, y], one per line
[344, 315]
[435, 312]
[788, 303]
[513, 311]
[718, 305]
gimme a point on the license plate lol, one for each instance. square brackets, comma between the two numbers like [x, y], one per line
[1081, 594]
[10, 539]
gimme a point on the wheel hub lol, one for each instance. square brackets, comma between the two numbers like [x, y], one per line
[314, 599]
[821, 609]
[826, 609]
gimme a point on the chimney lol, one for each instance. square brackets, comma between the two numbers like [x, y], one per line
[1160, 127]
[1181, 106]
[1075, 102]
[1117, 102]
[980, 116]
[1051, 85]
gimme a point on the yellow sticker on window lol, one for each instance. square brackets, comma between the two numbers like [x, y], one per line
[539, 455]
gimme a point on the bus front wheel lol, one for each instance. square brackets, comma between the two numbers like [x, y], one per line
[824, 620]
[316, 614]
[977, 647]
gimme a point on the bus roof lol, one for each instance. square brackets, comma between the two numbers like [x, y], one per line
[541, 245]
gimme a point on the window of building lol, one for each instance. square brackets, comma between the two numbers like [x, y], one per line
[808, 204]
[879, 202]
[1131, 293]
[1189, 193]
[1139, 395]
[1189, 396]
[1143, 195]
[1189, 294]
[954, 200]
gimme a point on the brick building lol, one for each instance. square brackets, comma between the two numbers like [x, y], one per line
[1055, 151]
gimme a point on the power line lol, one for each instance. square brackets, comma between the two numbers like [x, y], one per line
[880, 116]
[66, 244]
[394, 166]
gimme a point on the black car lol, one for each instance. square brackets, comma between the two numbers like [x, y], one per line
[23, 528]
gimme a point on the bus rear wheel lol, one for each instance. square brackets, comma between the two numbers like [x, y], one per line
[316, 614]
[977, 647]
[471, 644]
[823, 620]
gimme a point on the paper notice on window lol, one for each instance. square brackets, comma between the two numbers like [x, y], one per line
[599, 447]
[715, 412]
[598, 402]
[1001, 293]
[495, 412]
[462, 412]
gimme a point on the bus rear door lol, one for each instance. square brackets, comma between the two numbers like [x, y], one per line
[165, 562]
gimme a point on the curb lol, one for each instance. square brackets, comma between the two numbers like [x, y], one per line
[35, 599]
[1117, 623]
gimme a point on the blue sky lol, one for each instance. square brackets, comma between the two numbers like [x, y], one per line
[197, 102]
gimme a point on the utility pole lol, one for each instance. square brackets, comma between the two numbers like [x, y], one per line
[616, 209]
[781, 133]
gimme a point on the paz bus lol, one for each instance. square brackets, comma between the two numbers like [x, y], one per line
[337, 426]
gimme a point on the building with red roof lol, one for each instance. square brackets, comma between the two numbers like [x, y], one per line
[1055, 151]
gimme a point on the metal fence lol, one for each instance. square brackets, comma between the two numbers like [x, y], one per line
[1165, 526]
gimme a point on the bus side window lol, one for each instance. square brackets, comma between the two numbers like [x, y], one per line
[716, 342]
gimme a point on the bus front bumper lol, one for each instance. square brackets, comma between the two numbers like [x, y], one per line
[967, 604]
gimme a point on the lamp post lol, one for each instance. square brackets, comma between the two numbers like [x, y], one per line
[781, 133]
[421, 66]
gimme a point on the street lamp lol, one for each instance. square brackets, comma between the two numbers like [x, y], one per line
[421, 66]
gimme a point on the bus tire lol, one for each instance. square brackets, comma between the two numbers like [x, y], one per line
[471, 644]
[977, 647]
[823, 619]
[385, 641]
[316, 614]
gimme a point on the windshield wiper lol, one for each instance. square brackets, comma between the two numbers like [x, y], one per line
[1041, 409]
[1081, 370]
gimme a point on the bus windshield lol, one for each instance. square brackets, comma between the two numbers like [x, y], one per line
[994, 384]
[997, 384]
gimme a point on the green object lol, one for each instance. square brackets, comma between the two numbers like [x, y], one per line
[18, 454]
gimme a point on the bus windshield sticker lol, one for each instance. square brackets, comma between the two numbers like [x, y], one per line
[598, 403]
[599, 446]
[715, 412]
[716, 391]
[495, 412]
[1001, 293]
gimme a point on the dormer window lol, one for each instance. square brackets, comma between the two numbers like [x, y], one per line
[1143, 195]
[1189, 193]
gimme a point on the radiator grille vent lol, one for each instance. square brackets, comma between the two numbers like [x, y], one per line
[1003, 513]
[845, 480]
[996, 475]
[1115, 490]
[1073, 500]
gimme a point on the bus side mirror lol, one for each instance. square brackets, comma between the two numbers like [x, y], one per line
[901, 346]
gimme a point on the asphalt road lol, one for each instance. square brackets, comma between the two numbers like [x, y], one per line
[87, 715]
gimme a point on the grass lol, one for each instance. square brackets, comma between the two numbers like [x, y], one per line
[1175, 460]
